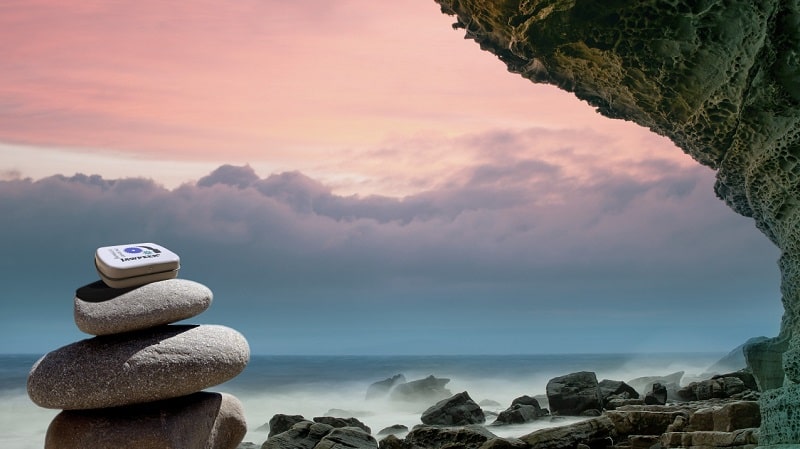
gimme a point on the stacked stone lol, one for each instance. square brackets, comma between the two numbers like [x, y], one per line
[138, 383]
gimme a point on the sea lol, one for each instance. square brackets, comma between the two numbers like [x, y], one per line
[315, 386]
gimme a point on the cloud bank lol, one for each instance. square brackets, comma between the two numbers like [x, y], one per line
[516, 253]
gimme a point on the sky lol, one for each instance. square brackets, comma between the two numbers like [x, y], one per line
[353, 177]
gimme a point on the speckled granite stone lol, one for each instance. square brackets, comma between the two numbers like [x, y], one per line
[150, 365]
[150, 305]
[201, 420]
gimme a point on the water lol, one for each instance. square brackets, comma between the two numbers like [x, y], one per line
[313, 385]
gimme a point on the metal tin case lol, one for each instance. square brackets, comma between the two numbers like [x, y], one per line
[122, 266]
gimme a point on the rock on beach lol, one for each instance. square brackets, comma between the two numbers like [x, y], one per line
[150, 365]
[101, 310]
[201, 420]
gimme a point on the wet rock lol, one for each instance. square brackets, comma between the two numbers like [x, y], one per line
[280, 423]
[382, 388]
[200, 420]
[428, 390]
[342, 422]
[658, 395]
[347, 438]
[303, 435]
[574, 393]
[458, 410]
[395, 429]
[149, 365]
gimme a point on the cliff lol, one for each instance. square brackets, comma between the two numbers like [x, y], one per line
[721, 79]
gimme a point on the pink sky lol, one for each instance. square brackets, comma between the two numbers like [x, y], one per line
[369, 97]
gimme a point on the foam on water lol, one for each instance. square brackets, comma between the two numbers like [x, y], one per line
[312, 386]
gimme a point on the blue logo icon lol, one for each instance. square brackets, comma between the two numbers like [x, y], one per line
[132, 250]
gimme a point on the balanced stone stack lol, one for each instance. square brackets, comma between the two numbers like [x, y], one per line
[138, 383]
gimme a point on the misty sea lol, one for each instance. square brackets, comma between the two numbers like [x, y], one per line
[313, 385]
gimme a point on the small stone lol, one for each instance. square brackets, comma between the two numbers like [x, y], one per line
[201, 420]
[144, 366]
[459, 410]
[101, 310]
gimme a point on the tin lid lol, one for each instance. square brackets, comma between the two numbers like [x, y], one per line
[132, 260]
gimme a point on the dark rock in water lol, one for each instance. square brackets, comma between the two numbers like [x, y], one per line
[342, 422]
[467, 437]
[353, 413]
[303, 435]
[392, 442]
[593, 432]
[526, 400]
[429, 389]
[574, 393]
[658, 396]
[489, 403]
[616, 389]
[281, 423]
[519, 414]
[459, 410]
[347, 438]
[382, 388]
[393, 430]
[200, 420]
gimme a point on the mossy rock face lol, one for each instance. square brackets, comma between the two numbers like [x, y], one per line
[721, 79]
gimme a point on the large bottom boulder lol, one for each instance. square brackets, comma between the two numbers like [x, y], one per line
[200, 420]
[594, 432]
[431, 437]
[459, 410]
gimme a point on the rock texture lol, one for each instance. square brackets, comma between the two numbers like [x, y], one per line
[574, 394]
[459, 410]
[200, 420]
[150, 365]
[150, 305]
[721, 79]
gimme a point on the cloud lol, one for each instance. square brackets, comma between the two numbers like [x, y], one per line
[514, 238]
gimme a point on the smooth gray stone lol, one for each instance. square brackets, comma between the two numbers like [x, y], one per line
[201, 420]
[149, 365]
[150, 305]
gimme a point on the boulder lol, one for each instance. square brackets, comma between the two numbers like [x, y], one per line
[591, 431]
[429, 390]
[718, 387]
[395, 429]
[392, 442]
[382, 387]
[303, 435]
[149, 365]
[616, 389]
[657, 396]
[342, 422]
[737, 415]
[574, 393]
[150, 305]
[458, 410]
[347, 438]
[430, 437]
[523, 409]
[199, 420]
[280, 423]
